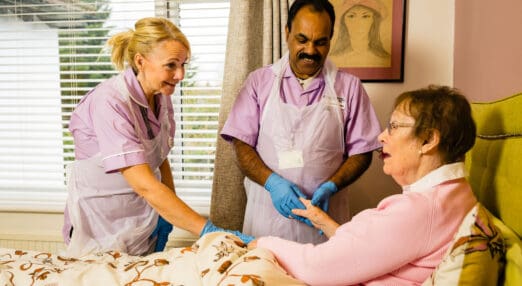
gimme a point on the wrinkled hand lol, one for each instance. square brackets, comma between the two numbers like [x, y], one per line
[210, 227]
[162, 231]
[318, 217]
[321, 196]
[285, 195]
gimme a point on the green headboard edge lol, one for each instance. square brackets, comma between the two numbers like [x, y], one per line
[494, 164]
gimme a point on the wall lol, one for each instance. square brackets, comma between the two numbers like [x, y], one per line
[488, 49]
[428, 60]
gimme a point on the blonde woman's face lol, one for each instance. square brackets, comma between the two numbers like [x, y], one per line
[358, 21]
[162, 68]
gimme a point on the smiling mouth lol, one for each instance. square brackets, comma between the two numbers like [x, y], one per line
[171, 84]
[309, 61]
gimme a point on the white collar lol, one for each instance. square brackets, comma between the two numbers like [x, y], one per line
[444, 173]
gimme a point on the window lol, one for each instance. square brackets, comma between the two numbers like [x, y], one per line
[51, 54]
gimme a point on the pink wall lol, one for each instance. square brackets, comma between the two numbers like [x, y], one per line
[488, 48]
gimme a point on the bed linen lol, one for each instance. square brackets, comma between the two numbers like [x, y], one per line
[215, 259]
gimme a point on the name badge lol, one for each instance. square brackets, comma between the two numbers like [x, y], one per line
[336, 102]
[290, 159]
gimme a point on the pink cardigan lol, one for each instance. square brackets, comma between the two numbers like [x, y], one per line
[400, 242]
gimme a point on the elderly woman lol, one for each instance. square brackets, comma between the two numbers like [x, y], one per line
[403, 239]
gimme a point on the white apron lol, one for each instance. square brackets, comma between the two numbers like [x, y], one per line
[106, 214]
[314, 131]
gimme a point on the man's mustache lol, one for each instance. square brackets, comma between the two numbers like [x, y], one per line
[315, 57]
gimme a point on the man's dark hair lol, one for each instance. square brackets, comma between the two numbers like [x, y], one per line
[318, 5]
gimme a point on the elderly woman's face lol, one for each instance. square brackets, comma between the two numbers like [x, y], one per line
[400, 151]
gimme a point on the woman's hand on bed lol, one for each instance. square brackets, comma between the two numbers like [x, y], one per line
[210, 227]
[252, 244]
[318, 217]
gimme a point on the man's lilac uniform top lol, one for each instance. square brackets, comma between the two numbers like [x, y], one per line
[361, 124]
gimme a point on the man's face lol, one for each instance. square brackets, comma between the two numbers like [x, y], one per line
[308, 41]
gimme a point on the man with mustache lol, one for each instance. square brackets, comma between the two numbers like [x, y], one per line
[301, 128]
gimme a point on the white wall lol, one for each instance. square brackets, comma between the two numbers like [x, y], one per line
[428, 60]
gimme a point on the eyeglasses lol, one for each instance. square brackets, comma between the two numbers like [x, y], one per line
[394, 125]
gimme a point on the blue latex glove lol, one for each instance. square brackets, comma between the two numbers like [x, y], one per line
[162, 231]
[210, 227]
[285, 196]
[321, 196]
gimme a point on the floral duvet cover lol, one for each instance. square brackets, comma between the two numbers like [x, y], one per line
[215, 259]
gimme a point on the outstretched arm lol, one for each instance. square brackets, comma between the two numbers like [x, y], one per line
[162, 198]
[318, 217]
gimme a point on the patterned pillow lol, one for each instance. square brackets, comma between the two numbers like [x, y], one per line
[513, 270]
[476, 256]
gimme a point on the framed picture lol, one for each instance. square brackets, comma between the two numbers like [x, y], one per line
[368, 39]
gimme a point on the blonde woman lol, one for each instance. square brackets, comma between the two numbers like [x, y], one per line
[123, 130]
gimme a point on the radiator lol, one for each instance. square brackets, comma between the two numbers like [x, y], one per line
[55, 247]
[58, 247]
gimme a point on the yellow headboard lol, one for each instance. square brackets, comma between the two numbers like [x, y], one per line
[495, 162]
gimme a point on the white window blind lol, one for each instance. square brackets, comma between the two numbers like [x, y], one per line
[51, 54]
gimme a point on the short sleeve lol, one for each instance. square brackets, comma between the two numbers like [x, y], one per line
[361, 123]
[243, 119]
[119, 144]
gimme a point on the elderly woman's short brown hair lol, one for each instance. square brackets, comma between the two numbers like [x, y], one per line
[444, 109]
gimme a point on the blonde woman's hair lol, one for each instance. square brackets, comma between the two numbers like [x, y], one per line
[147, 34]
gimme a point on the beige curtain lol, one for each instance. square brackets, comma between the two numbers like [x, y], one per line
[255, 38]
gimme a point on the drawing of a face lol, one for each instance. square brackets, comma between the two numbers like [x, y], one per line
[358, 21]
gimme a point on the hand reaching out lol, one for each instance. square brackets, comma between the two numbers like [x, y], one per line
[318, 217]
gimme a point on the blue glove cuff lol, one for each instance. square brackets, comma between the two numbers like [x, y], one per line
[209, 227]
[274, 178]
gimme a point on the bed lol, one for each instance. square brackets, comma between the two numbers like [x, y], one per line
[215, 259]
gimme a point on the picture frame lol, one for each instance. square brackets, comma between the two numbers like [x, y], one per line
[368, 39]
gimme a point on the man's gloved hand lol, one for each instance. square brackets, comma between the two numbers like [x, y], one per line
[210, 227]
[285, 196]
[162, 230]
[321, 196]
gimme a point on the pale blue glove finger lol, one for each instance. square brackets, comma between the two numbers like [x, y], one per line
[210, 227]
[244, 237]
[284, 194]
[294, 202]
[321, 196]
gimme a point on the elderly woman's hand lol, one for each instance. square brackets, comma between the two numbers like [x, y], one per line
[318, 217]
[252, 244]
